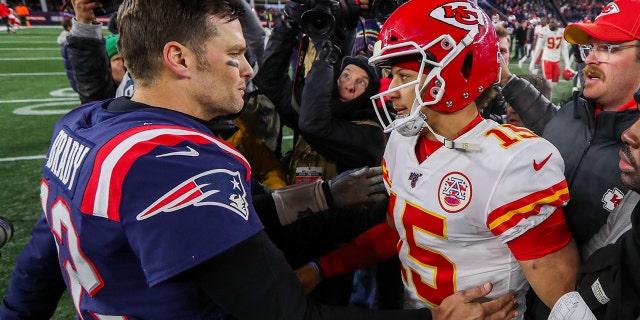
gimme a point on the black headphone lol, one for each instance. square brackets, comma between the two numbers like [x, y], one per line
[636, 96]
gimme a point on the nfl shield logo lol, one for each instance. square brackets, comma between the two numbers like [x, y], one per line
[413, 177]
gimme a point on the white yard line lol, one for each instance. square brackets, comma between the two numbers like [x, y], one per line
[40, 100]
[22, 42]
[30, 59]
[30, 49]
[22, 158]
[32, 74]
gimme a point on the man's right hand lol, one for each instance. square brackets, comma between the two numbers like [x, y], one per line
[84, 10]
[461, 305]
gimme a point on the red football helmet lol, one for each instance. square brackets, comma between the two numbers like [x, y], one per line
[568, 74]
[455, 46]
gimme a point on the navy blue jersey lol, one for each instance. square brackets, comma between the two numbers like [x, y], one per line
[135, 198]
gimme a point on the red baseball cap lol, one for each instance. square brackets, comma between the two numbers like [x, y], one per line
[619, 21]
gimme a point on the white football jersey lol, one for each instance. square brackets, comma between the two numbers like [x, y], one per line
[455, 211]
[551, 43]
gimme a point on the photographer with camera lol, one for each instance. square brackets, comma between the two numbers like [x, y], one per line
[97, 73]
[330, 111]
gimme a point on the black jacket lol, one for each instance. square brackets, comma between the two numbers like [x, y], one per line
[590, 149]
[589, 146]
[534, 109]
[91, 68]
[346, 133]
[615, 268]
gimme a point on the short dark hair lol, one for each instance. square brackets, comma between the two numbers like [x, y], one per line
[145, 26]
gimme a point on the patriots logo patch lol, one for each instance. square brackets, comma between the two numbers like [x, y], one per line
[219, 187]
[413, 177]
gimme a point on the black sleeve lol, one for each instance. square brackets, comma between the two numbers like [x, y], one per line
[252, 280]
[91, 69]
[266, 209]
[534, 109]
[272, 78]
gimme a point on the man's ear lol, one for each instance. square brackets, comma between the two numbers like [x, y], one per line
[176, 57]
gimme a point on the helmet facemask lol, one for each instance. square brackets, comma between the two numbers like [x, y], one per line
[429, 93]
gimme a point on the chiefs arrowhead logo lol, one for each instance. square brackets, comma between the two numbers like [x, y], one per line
[462, 15]
[610, 8]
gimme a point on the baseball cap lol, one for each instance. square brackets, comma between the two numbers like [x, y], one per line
[618, 21]
[110, 43]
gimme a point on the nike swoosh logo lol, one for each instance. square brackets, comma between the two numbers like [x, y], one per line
[191, 153]
[538, 166]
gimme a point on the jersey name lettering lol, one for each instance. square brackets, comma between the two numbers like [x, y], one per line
[65, 157]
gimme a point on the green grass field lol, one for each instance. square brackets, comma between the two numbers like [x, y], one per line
[35, 93]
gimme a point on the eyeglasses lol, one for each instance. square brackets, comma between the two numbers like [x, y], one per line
[360, 83]
[602, 52]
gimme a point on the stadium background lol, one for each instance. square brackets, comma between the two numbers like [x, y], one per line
[34, 94]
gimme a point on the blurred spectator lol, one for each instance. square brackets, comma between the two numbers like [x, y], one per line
[23, 12]
[13, 22]
[530, 36]
[4, 14]
[64, 51]
[520, 34]
[115, 59]
[367, 31]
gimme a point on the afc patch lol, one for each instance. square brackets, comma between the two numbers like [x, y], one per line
[454, 193]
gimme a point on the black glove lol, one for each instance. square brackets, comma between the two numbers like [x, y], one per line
[357, 186]
[292, 13]
[327, 50]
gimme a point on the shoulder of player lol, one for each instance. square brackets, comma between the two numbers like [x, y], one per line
[512, 139]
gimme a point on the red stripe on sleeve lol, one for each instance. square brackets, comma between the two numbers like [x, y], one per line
[550, 236]
[375, 245]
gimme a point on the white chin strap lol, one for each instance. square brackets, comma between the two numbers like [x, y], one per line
[413, 127]
[453, 144]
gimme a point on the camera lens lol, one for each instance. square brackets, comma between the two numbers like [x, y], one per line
[318, 22]
[6, 231]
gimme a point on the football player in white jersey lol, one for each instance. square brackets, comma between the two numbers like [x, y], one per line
[470, 200]
[552, 45]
